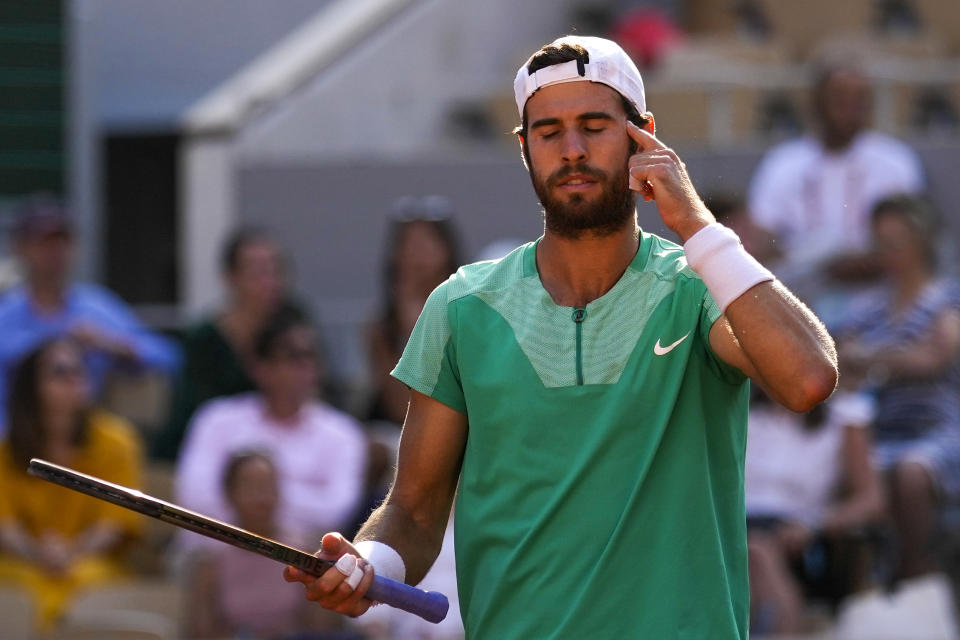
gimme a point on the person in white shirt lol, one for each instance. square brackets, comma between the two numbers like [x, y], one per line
[815, 193]
[809, 482]
[320, 453]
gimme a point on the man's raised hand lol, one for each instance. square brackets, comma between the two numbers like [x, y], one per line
[658, 173]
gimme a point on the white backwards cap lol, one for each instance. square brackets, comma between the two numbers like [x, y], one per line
[608, 64]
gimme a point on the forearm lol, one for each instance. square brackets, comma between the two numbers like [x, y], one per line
[418, 541]
[414, 516]
[792, 353]
[767, 333]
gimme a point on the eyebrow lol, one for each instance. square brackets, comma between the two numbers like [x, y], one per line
[589, 115]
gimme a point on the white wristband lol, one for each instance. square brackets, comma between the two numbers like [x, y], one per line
[716, 254]
[384, 558]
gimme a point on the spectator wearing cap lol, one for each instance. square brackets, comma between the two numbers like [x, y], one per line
[48, 304]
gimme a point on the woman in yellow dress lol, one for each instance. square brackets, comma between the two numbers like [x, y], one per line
[54, 541]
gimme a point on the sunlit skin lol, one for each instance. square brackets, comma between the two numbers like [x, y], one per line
[579, 149]
[580, 142]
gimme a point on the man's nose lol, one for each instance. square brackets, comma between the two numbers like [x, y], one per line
[574, 149]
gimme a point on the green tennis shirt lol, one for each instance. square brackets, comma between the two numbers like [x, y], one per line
[601, 492]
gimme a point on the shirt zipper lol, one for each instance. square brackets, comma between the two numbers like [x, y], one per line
[579, 314]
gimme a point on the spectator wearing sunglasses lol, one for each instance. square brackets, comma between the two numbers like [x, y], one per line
[218, 348]
[320, 453]
[54, 542]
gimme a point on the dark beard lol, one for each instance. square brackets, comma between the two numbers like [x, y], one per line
[603, 217]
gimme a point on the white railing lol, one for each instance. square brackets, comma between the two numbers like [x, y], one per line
[290, 64]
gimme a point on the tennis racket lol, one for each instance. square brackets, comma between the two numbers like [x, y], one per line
[429, 605]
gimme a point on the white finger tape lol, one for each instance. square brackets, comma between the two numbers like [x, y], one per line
[354, 578]
[346, 564]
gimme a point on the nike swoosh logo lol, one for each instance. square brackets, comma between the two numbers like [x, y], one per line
[660, 351]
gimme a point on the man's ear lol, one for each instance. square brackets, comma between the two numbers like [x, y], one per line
[650, 127]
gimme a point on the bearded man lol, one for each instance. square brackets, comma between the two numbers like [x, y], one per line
[585, 397]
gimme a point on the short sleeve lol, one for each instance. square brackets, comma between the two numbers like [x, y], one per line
[709, 313]
[429, 362]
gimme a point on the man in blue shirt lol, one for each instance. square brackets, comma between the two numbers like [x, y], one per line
[47, 304]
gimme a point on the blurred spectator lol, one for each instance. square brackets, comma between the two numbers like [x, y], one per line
[47, 305]
[810, 486]
[815, 193]
[234, 593]
[903, 341]
[647, 34]
[218, 349]
[731, 211]
[320, 453]
[422, 250]
[56, 541]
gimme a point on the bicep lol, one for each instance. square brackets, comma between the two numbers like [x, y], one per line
[431, 451]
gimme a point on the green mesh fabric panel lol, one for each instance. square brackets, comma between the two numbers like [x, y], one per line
[421, 369]
[547, 333]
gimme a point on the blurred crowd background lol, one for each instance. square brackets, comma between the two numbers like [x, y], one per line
[221, 219]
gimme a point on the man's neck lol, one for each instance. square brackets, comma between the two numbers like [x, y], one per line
[577, 271]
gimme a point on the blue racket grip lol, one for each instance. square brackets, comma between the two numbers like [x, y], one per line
[429, 605]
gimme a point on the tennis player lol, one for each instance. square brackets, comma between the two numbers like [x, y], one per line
[585, 397]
